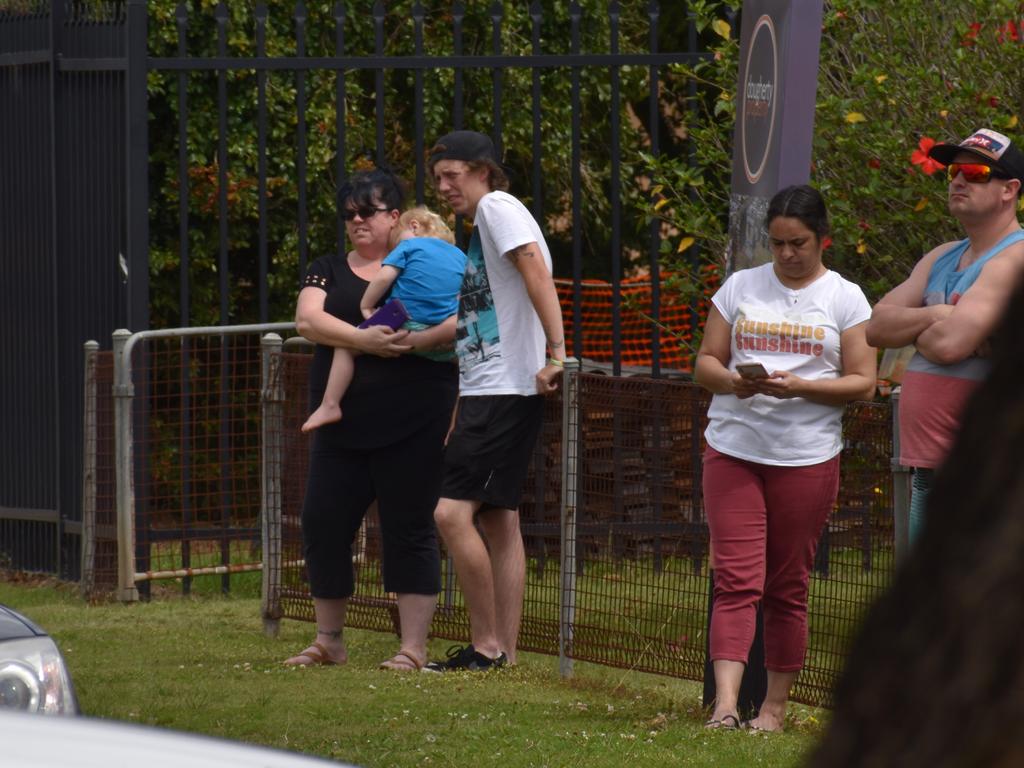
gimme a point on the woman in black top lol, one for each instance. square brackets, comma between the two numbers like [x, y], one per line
[387, 446]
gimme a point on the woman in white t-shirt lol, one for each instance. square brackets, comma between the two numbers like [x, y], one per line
[771, 470]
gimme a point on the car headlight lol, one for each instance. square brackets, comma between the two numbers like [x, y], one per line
[33, 678]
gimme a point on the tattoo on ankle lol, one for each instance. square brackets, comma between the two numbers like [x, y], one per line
[333, 634]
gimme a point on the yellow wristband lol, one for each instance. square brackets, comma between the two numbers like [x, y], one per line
[559, 363]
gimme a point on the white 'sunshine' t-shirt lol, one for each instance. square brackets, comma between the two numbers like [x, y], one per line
[788, 329]
[499, 338]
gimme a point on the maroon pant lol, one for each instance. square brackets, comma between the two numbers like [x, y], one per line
[765, 523]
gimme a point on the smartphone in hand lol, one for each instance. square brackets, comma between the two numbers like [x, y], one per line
[752, 370]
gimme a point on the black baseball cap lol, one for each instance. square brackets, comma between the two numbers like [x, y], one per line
[468, 146]
[994, 148]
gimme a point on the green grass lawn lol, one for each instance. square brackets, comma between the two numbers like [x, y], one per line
[626, 611]
[203, 664]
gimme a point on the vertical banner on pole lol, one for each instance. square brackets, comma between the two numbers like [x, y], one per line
[775, 95]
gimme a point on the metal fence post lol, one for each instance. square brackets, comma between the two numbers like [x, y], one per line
[124, 393]
[900, 487]
[570, 487]
[272, 395]
[137, 162]
[89, 472]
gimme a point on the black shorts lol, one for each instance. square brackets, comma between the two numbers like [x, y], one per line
[489, 450]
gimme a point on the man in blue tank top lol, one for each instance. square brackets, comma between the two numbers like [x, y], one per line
[952, 302]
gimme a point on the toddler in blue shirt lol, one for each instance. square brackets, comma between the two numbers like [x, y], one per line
[424, 270]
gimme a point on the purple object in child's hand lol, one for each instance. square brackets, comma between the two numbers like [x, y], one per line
[393, 314]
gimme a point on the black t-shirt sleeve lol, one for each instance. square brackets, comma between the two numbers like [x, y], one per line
[319, 275]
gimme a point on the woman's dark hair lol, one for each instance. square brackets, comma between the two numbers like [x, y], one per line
[936, 675]
[800, 202]
[367, 188]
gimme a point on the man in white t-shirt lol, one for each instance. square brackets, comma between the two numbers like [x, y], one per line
[511, 348]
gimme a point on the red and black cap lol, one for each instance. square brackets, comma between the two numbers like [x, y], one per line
[994, 148]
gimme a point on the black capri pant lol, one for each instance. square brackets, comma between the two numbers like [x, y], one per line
[405, 479]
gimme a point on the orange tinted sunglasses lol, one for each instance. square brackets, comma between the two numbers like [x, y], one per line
[974, 173]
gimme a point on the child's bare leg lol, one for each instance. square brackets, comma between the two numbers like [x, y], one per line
[342, 369]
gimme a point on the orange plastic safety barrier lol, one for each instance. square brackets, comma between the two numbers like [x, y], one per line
[637, 322]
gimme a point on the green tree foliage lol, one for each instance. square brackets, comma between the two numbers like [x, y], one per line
[915, 71]
[892, 74]
[285, 244]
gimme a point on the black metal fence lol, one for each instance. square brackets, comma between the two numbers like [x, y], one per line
[169, 164]
[62, 203]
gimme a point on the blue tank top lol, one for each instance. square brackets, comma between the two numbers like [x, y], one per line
[933, 394]
[946, 284]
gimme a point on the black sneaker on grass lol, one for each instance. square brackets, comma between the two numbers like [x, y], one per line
[465, 657]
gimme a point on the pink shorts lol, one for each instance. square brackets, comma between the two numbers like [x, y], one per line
[765, 523]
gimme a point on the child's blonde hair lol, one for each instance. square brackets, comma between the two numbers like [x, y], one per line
[430, 225]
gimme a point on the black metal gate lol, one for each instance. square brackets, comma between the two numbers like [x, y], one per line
[62, 197]
[120, 210]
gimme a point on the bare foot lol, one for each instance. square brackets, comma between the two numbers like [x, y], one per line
[767, 722]
[318, 655]
[327, 413]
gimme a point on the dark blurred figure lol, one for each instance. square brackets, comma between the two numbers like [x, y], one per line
[936, 676]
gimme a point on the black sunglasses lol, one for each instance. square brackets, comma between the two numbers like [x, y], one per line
[363, 212]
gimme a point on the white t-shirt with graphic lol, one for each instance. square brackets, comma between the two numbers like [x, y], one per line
[788, 329]
[499, 338]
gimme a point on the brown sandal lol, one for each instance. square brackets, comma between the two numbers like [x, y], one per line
[402, 662]
[317, 655]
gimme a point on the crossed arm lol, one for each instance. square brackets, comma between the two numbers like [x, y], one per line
[946, 333]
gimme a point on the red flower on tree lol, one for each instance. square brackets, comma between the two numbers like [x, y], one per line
[971, 36]
[920, 157]
[1008, 32]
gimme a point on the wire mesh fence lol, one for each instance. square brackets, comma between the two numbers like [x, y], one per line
[638, 597]
[193, 453]
[198, 496]
[623, 583]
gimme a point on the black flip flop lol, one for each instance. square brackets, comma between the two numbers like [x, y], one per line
[728, 723]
